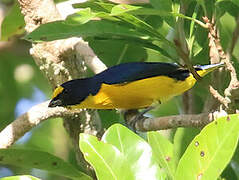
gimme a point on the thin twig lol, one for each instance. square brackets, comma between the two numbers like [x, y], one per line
[218, 96]
[217, 53]
[90, 58]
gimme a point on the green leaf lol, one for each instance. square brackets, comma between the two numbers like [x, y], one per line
[163, 151]
[40, 160]
[13, 23]
[81, 17]
[236, 2]
[136, 150]
[23, 177]
[163, 5]
[95, 5]
[138, 10]
[210, 151]
[121, 11]
[120, 155]
[108, 161]
[60, 30]
[227, 6]
[182, 139]
[192, 33]
[85, 15]
[227, 25]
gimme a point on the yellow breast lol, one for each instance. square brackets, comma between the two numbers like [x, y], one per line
[137, 94]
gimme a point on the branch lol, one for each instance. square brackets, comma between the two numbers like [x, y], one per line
[168, 122]
[30, 119]
[216, 53]
[160, 123]
[182, 46]
[58, 62]
[41, 112]
[91, 60]
[217, 96]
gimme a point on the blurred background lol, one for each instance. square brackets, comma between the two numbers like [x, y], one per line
[22, 85]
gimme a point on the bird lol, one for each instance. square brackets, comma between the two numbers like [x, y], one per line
[135, 85]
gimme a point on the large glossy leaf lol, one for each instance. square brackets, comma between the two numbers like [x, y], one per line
[136, 150]
[23, 177]
[13, 23]
[120, 155]
[40, 160]
[60, 30]
[210, 151]
[107, 160]
[182, 139]
[163, 151]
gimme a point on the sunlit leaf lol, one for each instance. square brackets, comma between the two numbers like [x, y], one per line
[163, 151]
[120, 155]
[211, 150]
[182, 139]
[107, 160]
[136, 150]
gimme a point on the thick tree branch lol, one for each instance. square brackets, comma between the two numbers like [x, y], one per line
[41, 112]
[90, 59]
[168, 122]
[60, 61]
[30, 119]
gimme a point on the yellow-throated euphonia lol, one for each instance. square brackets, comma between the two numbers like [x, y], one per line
[128, 86]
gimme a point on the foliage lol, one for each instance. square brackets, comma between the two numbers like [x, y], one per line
[124, 33]
[121, 149]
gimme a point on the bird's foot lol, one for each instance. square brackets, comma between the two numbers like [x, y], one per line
[133, 115]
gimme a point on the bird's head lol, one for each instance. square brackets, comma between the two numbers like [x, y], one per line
[60, 97]
[203, 70]
[71, 93]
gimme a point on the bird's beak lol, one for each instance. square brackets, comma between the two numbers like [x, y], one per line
[55, 103]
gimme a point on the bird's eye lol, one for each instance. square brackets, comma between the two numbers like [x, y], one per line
[65, 91]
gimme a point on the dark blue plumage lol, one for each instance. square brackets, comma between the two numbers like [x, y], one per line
[123, 73]
[129, 72]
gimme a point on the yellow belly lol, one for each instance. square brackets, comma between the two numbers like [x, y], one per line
[137, 94]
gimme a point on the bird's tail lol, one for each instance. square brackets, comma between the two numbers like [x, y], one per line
[202, 70]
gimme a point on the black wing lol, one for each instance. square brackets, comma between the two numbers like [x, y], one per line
[129, 72]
